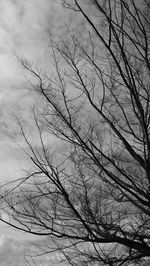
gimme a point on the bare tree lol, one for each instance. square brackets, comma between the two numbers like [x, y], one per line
[91, 198]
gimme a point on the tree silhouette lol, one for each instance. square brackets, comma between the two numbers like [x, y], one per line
[92, 196]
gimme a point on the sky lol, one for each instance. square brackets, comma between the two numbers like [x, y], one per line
[24, 29]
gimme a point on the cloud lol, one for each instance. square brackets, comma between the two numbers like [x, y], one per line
[24, 31]
[12, 252]
[16, 253]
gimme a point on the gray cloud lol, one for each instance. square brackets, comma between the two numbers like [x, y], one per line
[24, 30]
[18, 253]
[12, 252]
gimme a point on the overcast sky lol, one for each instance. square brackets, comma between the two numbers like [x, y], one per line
[23, 31]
